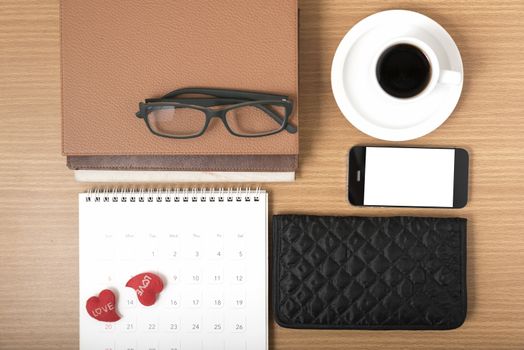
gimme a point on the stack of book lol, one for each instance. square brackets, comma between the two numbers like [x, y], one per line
[115, 56]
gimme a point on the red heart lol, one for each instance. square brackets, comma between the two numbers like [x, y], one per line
[147, 285]
[103, 307]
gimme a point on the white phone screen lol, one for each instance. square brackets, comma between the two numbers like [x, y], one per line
[420, 177]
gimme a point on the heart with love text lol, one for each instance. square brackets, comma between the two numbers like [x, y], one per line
[103, 307]
[147, 286]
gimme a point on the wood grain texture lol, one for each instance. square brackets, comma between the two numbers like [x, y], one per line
[38, 207]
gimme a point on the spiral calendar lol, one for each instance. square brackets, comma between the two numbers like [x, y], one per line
[209, 251]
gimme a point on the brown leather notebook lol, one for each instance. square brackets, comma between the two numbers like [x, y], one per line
[117, 53]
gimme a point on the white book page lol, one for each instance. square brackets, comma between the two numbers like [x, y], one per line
[211, 256]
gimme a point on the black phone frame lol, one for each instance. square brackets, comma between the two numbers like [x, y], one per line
[356, 182]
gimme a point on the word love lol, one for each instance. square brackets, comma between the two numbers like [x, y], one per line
[103, 307]
[147, 286]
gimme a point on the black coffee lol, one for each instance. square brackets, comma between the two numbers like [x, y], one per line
[403, 71]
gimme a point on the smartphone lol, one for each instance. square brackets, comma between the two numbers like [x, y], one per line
[408, 177]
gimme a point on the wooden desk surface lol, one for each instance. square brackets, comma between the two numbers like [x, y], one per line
[38, 207]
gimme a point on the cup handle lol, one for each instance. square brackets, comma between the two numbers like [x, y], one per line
[450, 77]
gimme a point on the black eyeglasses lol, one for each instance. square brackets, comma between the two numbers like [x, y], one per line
[244, 114]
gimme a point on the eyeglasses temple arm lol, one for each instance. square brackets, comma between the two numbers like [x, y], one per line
[224, 93]
[289, 127]
[198, 102]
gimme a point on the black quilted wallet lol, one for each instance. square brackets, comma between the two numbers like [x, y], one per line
[369, 272]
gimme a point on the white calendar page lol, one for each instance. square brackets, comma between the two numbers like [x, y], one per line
[210, 254]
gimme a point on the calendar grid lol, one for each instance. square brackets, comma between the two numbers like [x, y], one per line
[208, 246]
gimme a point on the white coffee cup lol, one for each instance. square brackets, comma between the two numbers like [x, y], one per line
[438, 74]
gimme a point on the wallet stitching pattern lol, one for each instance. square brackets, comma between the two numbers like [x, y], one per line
[458, 304]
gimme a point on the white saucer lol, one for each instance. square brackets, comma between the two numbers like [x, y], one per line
[365, 104]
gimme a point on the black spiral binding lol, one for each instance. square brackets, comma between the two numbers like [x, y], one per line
[174, 195]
